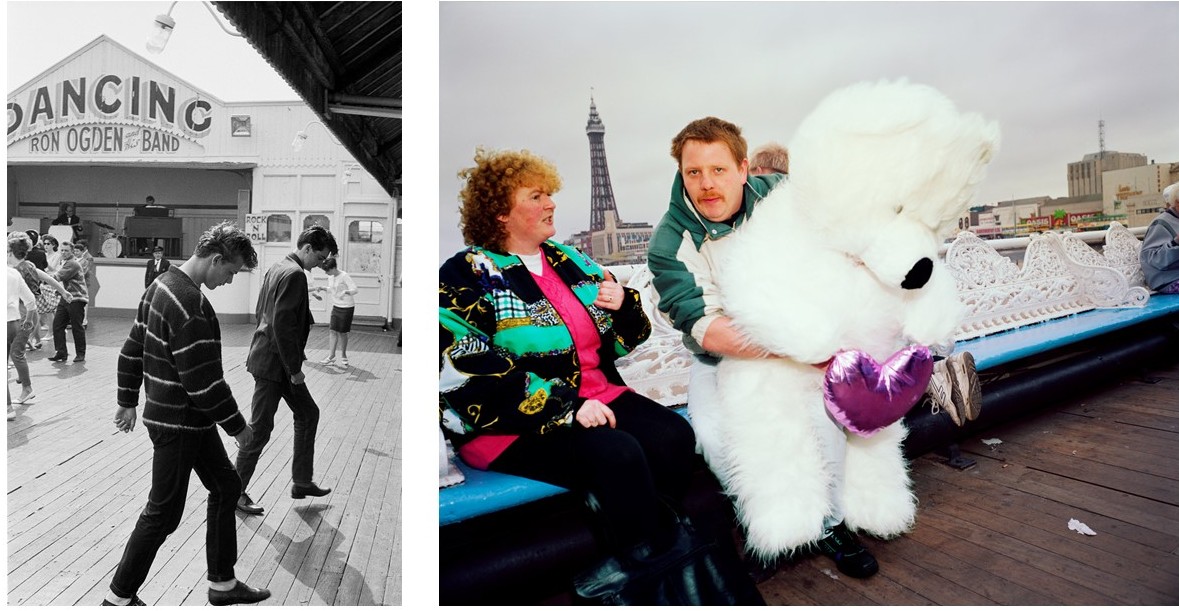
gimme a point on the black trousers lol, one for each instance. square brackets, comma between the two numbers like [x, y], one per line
[262, 409]
[71, 313]
[176, 455]
[651, 453]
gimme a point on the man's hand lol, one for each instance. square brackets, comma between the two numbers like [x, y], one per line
[722, 337]
[27, 323]
[595, 413]
[297, 379]
[244, 436]
[125, 419]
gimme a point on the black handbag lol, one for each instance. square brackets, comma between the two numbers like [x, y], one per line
[695, 570]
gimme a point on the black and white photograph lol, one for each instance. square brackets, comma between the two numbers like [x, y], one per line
[205, 303]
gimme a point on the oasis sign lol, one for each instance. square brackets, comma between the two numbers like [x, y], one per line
[69, 116]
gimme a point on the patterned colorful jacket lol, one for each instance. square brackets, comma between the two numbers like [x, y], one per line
[508, 363]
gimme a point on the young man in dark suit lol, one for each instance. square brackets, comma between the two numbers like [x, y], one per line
[276, 361]
[156, 266]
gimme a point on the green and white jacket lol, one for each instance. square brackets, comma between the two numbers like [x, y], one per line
[681, 259]
[507, 362]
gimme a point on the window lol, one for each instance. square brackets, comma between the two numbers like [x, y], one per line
[364, 246]
[278, 228]
[316, 219]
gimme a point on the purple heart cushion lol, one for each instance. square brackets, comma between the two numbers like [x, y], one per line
[865, 396]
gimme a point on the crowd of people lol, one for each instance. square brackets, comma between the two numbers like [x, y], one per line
[186, 397]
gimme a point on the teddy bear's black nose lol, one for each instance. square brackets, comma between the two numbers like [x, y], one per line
[918, 275]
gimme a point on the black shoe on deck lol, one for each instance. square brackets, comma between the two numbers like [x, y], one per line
[850, 557]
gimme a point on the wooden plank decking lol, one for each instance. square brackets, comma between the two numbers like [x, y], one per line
[998, 533]
[76, 485]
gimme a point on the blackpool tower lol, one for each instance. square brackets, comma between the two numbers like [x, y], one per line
[601, 193]
[609, 240]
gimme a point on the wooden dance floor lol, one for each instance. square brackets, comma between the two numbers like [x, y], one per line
[76, 486]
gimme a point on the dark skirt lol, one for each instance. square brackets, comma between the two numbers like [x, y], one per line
[341, 321]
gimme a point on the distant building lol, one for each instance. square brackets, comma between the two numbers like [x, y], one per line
[610, 241]
[1084, 177]
[1137, 192]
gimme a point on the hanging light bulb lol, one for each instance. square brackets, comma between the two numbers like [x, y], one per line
[160, 32]
[297, 143]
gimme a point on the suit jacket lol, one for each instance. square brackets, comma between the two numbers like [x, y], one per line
[151, 270]
[284, 322]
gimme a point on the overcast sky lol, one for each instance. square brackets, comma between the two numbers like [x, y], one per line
[519, 75]
[41, 34]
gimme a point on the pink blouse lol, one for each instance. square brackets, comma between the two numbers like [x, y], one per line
[484, 449]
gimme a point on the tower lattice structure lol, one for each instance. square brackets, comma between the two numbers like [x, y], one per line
[601, 193]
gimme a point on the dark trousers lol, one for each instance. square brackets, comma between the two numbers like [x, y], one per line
[176, 455]
[16, 351]
[651, 453]
[70, 313]
[306, 415]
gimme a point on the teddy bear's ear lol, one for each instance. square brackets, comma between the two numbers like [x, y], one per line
[990, 142]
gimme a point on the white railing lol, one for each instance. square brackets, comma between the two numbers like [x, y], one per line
[1060, 274]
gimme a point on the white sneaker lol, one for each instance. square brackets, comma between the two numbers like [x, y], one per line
[941, 391]
[326, 361]
[344, 363]
[967, 389]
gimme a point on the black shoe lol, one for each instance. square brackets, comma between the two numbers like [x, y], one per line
[80, 358]
[245, 504]
[241, 594]
[850, 557]
[135, 602]
[299, 491]
[59, 358]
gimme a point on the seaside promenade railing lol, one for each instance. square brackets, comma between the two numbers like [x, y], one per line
[1004, 284]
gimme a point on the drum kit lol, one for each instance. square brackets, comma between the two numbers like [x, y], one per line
[112, 242]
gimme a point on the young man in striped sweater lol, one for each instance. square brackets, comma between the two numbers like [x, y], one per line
[174, 352]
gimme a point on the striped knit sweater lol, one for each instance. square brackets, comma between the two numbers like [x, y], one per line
[174, 352]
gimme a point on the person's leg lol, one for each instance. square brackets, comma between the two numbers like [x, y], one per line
[666, 438]
[833, 445]
[11, 336]
[343, 345]
[838, 543]
[333, 339]
[221, 480]
[262, 409]
[60, 316]
[605, 462]
[77, 313]
[35, 333]
[16, 352]
[174, 453]
[305, 413]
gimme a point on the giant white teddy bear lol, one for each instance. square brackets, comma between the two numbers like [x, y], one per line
[840, 257]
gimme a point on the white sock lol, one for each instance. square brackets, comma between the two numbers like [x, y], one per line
[223, 586]
[115, 599]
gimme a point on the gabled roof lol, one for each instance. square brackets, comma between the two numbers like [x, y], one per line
[97, 46]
